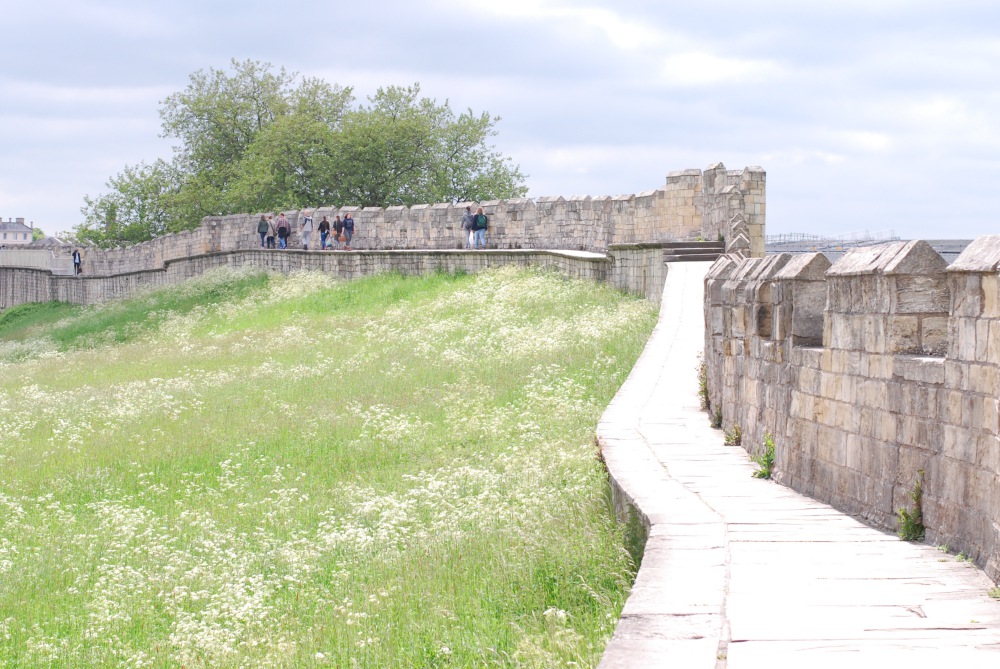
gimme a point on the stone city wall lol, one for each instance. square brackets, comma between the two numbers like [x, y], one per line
[633, 268]
[628, 229]
[869, 373]
[690, 205]
[18, 285]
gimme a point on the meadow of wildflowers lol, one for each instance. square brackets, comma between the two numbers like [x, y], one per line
[254, 470]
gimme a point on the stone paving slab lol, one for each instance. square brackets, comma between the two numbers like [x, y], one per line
[744, 573]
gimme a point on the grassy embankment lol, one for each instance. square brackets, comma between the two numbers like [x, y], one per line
[294, 471]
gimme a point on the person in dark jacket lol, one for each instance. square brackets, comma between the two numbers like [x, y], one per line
[348, 230]
[324, 232]
[262, 229]
[338, 229]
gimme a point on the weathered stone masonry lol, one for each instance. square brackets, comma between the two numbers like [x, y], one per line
[691, 204]
[867, 372]
[625, 230]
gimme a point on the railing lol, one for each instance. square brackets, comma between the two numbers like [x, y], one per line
[857, 238]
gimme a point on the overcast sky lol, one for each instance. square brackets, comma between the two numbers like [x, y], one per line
[866, 114]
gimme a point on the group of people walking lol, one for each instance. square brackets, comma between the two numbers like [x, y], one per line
[275, 233]
[336, 235]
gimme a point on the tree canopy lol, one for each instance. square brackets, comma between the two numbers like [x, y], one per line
[255, 139]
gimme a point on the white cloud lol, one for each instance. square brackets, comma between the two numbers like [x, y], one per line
[40, 94]
[803, 157]
[865, 141]
[51, 129]
[692, 68]
[622, 31]
[852, 102]
[125, 19]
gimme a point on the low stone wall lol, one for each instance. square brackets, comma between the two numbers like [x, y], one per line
[19, 285]
[634, 268]
[871, 373]
[638, 269]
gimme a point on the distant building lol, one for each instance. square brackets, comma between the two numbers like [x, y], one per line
[13, 232]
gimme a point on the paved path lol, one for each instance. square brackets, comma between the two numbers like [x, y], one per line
[744, 573]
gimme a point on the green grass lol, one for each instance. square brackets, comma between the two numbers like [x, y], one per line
[910, 525]
[764, 458]
[18, 323]
[295, 471]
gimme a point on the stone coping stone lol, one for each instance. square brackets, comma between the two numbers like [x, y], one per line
[914, 257]
[982, 255]
[805, 267]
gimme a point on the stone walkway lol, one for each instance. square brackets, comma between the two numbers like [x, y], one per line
[744, 573]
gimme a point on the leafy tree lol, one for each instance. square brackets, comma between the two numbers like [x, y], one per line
[136, 209]
[404, 149]
[36, 234]
[218, 116]
[258, 139]
[290, 162]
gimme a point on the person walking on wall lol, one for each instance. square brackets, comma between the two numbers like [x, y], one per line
[270, 231]
[481, 223]
[282, 231]
[338, 230]
[306, 228]
[468, 225]
[324, 232]
[262, 229]
[348, 230]
[77, 262]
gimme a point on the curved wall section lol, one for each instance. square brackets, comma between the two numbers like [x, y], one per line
[872, 373]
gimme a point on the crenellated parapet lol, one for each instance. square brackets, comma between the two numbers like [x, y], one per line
[691, 204]
[871, 373]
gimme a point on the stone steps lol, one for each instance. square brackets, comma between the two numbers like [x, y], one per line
[692, 251]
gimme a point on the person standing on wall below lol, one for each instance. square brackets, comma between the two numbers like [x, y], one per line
[282, 231]
[77, 262]
[271, 234]
[338, 230]
[348, 230]
[306, 229]
[324, 232]
[262, 229]
[482, 223]
[468, 225]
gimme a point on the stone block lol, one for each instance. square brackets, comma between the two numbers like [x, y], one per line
[983, 379]
[934, 335]
[991, 296]
[920, 369]
[904, 334]
[959, 444]
[993, 348]
[952, 402]
[991, 415]
[966, 334]
[989, 456]
[982, 255]
[921, 294]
